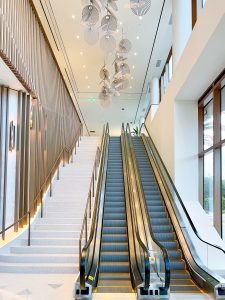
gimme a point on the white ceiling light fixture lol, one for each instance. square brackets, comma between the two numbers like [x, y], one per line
[137, 37]
[91, 35]
[140, 7]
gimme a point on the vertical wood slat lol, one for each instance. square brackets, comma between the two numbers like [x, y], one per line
[25, 49]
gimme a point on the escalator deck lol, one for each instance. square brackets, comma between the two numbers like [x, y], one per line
[163, 229]
[114, 274]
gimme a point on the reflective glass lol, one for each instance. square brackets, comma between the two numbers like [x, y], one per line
[223, 113]
[223, 192]
[208, 125]
[208, 184]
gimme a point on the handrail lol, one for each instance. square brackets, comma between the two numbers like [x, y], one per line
[40, 193]
[141, 243]
[180, 200]
[83, 252]
[162, 248]
[91, 192]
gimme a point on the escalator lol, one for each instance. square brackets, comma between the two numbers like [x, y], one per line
[161, 225]
[114, 254]
[192, 259]
[114, 273]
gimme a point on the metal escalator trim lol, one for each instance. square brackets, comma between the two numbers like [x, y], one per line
[89, 257]
[133, 234]
[145, 211]
[194, 262]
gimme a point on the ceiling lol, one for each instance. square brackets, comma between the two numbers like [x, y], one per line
[80, 63]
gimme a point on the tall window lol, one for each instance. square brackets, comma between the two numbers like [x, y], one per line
[212, 153]
[167, 74]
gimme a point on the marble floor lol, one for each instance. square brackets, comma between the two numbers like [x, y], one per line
[60, 287]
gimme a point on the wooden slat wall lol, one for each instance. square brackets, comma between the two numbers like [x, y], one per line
[26, 51]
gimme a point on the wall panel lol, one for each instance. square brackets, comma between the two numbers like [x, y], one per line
[55, 122]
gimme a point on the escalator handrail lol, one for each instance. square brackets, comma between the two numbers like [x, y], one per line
[178, 196]
[163, 249]
[142, 245]
[94, 216]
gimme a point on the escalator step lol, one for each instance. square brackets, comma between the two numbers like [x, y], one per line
[114, 238]
[115, 257]
[118, 247]
[114, 230]
[161, 228]
[156, 214]
[169, 244]
[113, 216]
[114, 223]
[159, 221]
[165, 236]
[177, 264]
[114, 210]
[111, 267]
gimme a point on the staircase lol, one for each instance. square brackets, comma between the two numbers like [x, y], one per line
[162, 227]
[55, 237]
[114, 276]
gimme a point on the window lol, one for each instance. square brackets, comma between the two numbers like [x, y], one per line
[208, 184]
[203, 3]
[212, 153]
[208, 125]
[167, 74]
[223, 192]
[223, 113]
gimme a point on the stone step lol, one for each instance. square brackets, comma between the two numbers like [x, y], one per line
[39, 258]
[52, 241]
[55, 234]
[44, 249]
[44, 268]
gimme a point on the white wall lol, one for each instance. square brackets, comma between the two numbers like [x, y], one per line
[174, 128]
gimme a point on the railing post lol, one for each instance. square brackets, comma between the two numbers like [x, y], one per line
[50, 192]
[41, 203]
[28, 243]
[78, 142]
[75, 148]
[58, 173]
[86, 227]
[63, 158]
[89, 204]
[95, 170]
[72, 157]
[93, 185]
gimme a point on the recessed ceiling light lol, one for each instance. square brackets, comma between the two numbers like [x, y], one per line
[132, 78]
[137, 37]
[86, 77]
[117, 30]
[84, 66]
[140, 17]
[81, 52]
[121, 23]
[133, 67]
[130, 87]
[135, 53]
[88, 87]
[73, 17]
[78, 37]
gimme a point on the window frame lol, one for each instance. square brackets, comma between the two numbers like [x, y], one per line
[214, 89]
[162, 86]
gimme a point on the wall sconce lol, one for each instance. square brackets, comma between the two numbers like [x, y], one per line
[12, 136]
